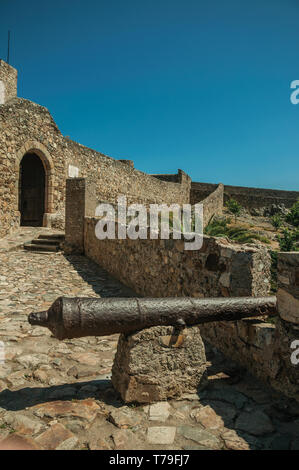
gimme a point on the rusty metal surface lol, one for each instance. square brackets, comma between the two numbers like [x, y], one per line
[71, 318]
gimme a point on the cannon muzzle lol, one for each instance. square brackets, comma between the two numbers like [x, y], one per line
[38, 318]
[71, 318]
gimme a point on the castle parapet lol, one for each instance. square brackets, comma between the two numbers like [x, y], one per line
[8, 82]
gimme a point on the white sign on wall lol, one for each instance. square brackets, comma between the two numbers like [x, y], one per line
[73, 171]
[2, 92]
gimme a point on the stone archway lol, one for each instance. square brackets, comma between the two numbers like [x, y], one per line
[32, 191]
[35, 192]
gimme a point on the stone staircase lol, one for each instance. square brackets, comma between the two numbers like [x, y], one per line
[48, 243]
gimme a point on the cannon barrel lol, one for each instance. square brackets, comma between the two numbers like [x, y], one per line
[71, 318]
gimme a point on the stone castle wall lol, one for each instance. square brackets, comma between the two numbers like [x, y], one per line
[114, 178]
[9, 79]
[169, 178]
[28, 127]
[252, 199]
[213, 205]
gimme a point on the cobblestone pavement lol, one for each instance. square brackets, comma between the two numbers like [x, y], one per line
[58, 395]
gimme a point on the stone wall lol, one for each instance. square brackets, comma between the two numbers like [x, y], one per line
[213, 205]
[199, 191]
[9, 79]
[169, 178]
[266, 348]
[253, 199]
[167, 269]
[115, 177]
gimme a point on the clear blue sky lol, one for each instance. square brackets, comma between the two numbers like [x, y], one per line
[198, 85]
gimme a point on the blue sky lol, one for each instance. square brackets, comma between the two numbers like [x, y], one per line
[198, 85]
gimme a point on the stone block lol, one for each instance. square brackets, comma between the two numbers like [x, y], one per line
[57, 437]
[161, 435]
[288, 306]
[159, 411]
[288, 272]
[225, 279]
[262, 335]
[80, 203]
[159, 363]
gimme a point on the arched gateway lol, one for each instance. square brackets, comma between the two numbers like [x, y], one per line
[32, 191]
[35, 168]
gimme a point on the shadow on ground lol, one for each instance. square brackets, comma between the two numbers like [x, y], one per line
[102, 283]
[18, 400]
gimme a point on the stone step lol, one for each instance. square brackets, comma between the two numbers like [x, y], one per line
[44, 248]
[52, 236]
[46, 241]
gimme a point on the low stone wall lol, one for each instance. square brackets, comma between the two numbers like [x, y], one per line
[167, 269]
[213, 205]
[265, 348]
[250, 198]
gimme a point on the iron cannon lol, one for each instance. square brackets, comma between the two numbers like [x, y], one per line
[70, 318]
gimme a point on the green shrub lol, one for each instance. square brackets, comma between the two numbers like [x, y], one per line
[216, 228]
[293, 216]
[289, 240]
[220, 228]
[276, 221]
[234, 207]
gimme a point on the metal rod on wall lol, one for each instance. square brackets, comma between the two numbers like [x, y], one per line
[8, 47]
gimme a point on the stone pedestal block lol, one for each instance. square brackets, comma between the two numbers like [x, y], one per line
[159, 363]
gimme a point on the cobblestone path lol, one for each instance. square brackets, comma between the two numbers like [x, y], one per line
[58, 395]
